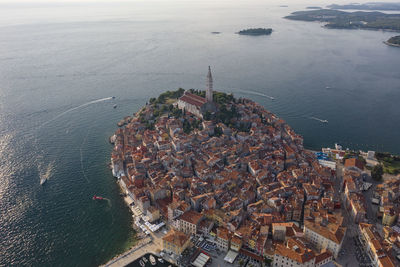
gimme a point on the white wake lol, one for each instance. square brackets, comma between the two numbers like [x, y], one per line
[318, 119]
[258, 93]
[75, 108]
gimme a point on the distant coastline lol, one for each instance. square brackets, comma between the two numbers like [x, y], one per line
[368, 6]
[337, 19]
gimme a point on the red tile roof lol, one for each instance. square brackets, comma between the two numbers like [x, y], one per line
[191, 216]
[193, 99]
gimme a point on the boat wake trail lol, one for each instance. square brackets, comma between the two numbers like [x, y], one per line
[318, 119]
[257, 93]
[75, 108]
[108, 201]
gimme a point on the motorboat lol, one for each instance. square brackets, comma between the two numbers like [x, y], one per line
[97, 198]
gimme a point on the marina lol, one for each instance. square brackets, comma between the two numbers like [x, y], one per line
[151, 260]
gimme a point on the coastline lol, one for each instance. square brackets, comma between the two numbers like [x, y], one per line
[148, 244]
[390, 44]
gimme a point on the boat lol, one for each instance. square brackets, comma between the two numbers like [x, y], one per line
[115, 106]
[97, 198]
[144, 259]
[161, 260]
[152, 260]
[141, 263]
[324, 121]
[113, 97]
[43, 181]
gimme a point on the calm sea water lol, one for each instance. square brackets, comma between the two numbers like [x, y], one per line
[57, 59]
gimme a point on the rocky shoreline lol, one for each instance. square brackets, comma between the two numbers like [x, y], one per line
[390, 44]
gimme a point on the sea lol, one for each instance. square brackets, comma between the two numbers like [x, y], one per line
[61, 62]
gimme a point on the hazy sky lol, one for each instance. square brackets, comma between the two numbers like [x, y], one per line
[278, 2]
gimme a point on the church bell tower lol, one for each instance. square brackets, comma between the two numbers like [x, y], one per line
[209, 88]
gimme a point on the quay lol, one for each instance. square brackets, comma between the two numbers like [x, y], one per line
[151, 243]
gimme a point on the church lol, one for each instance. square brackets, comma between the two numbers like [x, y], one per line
[196, 104]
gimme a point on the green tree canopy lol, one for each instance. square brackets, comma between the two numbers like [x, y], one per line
[377, 172]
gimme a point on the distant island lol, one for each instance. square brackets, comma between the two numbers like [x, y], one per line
[215, 32]
[256, 31]
[314, 7]
[350, 20]
[394, 41]
[368, 6]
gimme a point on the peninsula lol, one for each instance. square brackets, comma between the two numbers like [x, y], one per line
[393, 41]
[214, 176]
[256, 31]
[336, 19]
[369, 6]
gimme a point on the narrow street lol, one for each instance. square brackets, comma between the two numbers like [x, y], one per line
[347, 256]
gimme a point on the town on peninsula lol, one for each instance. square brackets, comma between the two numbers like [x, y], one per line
[216, 180]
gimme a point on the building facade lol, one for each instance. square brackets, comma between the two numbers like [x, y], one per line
[175, 242]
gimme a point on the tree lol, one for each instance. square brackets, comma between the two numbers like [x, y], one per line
[377, 172]
[186, 127]
[207, 115]
[218, 131]
[268, 262]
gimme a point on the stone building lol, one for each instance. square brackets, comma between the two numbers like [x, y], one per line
[196, 104]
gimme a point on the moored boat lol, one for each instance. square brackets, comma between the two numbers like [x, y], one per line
[144, 259]
[161, 260]
[141, 263]
[97, 198]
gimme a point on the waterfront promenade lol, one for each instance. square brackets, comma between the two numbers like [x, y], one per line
[149, 244]
[131, 255]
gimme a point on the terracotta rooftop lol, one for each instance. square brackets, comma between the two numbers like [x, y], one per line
[323, 256]
[176, 237]
[193, 99]
[353, 162]
[296, 251]
[327, 232]
[191, 216]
